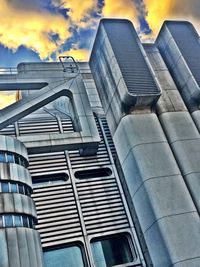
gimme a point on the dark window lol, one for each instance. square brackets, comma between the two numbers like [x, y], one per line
[111, 251]
[101, 172]
[21, 189]
[64, 257]
[1, 221]
[50, 179]
[25, 221]
[17, 159]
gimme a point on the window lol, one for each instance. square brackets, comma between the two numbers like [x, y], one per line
[51, 179]
[9, 220]
[13, 158]
[64, 257]
[15, 187]
[112, 250]
[94, 173]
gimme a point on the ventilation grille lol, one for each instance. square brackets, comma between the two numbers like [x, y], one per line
[101, 205]
[40, 122]
[47, 163]
[108, 136]
[58, 218]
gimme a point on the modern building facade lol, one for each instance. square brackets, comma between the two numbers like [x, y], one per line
[109, 153]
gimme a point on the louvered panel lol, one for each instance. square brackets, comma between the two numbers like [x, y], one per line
[57, 213]
[47, 163]
[108, 136]
[101, 204]
[67, 125]
[9, 130]
[37, 127]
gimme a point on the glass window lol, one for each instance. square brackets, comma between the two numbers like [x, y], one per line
[10, 157]
[1, 222]
[21, 189]
[13, 188]
[111, 251]
[2, 157]
[64, 257]
[17, 159]
[4, 187]
[18, 221]
[25, 221]
[8, 221]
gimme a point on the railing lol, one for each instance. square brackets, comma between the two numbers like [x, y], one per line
[8, 70]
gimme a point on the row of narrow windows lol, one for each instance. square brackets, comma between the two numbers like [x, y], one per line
[13, 220]
[15, 187]
[107, 251]
[45, 180]
[9, 157]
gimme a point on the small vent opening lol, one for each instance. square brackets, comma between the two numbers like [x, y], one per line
[50, 179]
[94, 173]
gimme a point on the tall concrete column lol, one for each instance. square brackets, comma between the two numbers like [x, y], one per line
[180, 130]
[163, 204]
[178, 43]
[19, 241]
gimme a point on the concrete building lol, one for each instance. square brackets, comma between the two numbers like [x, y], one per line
[109, 152]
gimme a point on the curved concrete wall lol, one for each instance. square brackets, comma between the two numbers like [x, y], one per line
[20, 245]
[15, 172]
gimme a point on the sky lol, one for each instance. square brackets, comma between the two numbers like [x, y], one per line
[41, 30]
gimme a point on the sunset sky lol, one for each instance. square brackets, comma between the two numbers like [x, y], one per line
[35, 30]
[41, 30]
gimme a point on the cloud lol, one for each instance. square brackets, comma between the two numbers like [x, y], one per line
[120, 9]
[79, 11]
[158, 11]
[34, 28]
[80, 54]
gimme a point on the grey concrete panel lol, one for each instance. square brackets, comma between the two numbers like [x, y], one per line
[13, 249]
[135, 130]
[17, 203]
[33, 257]
[175, 239]
[196, 117]
[10, 144]
[179, 126]
[193, 183]
[23, 247]
[191, 262]
[15, 172]
[4, 250]
[161, 197]
[190, 154]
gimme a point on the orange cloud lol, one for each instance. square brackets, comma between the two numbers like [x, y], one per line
[78, 54]
[158, 11]
[31, 28]
[120, 9]
[79, 10]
